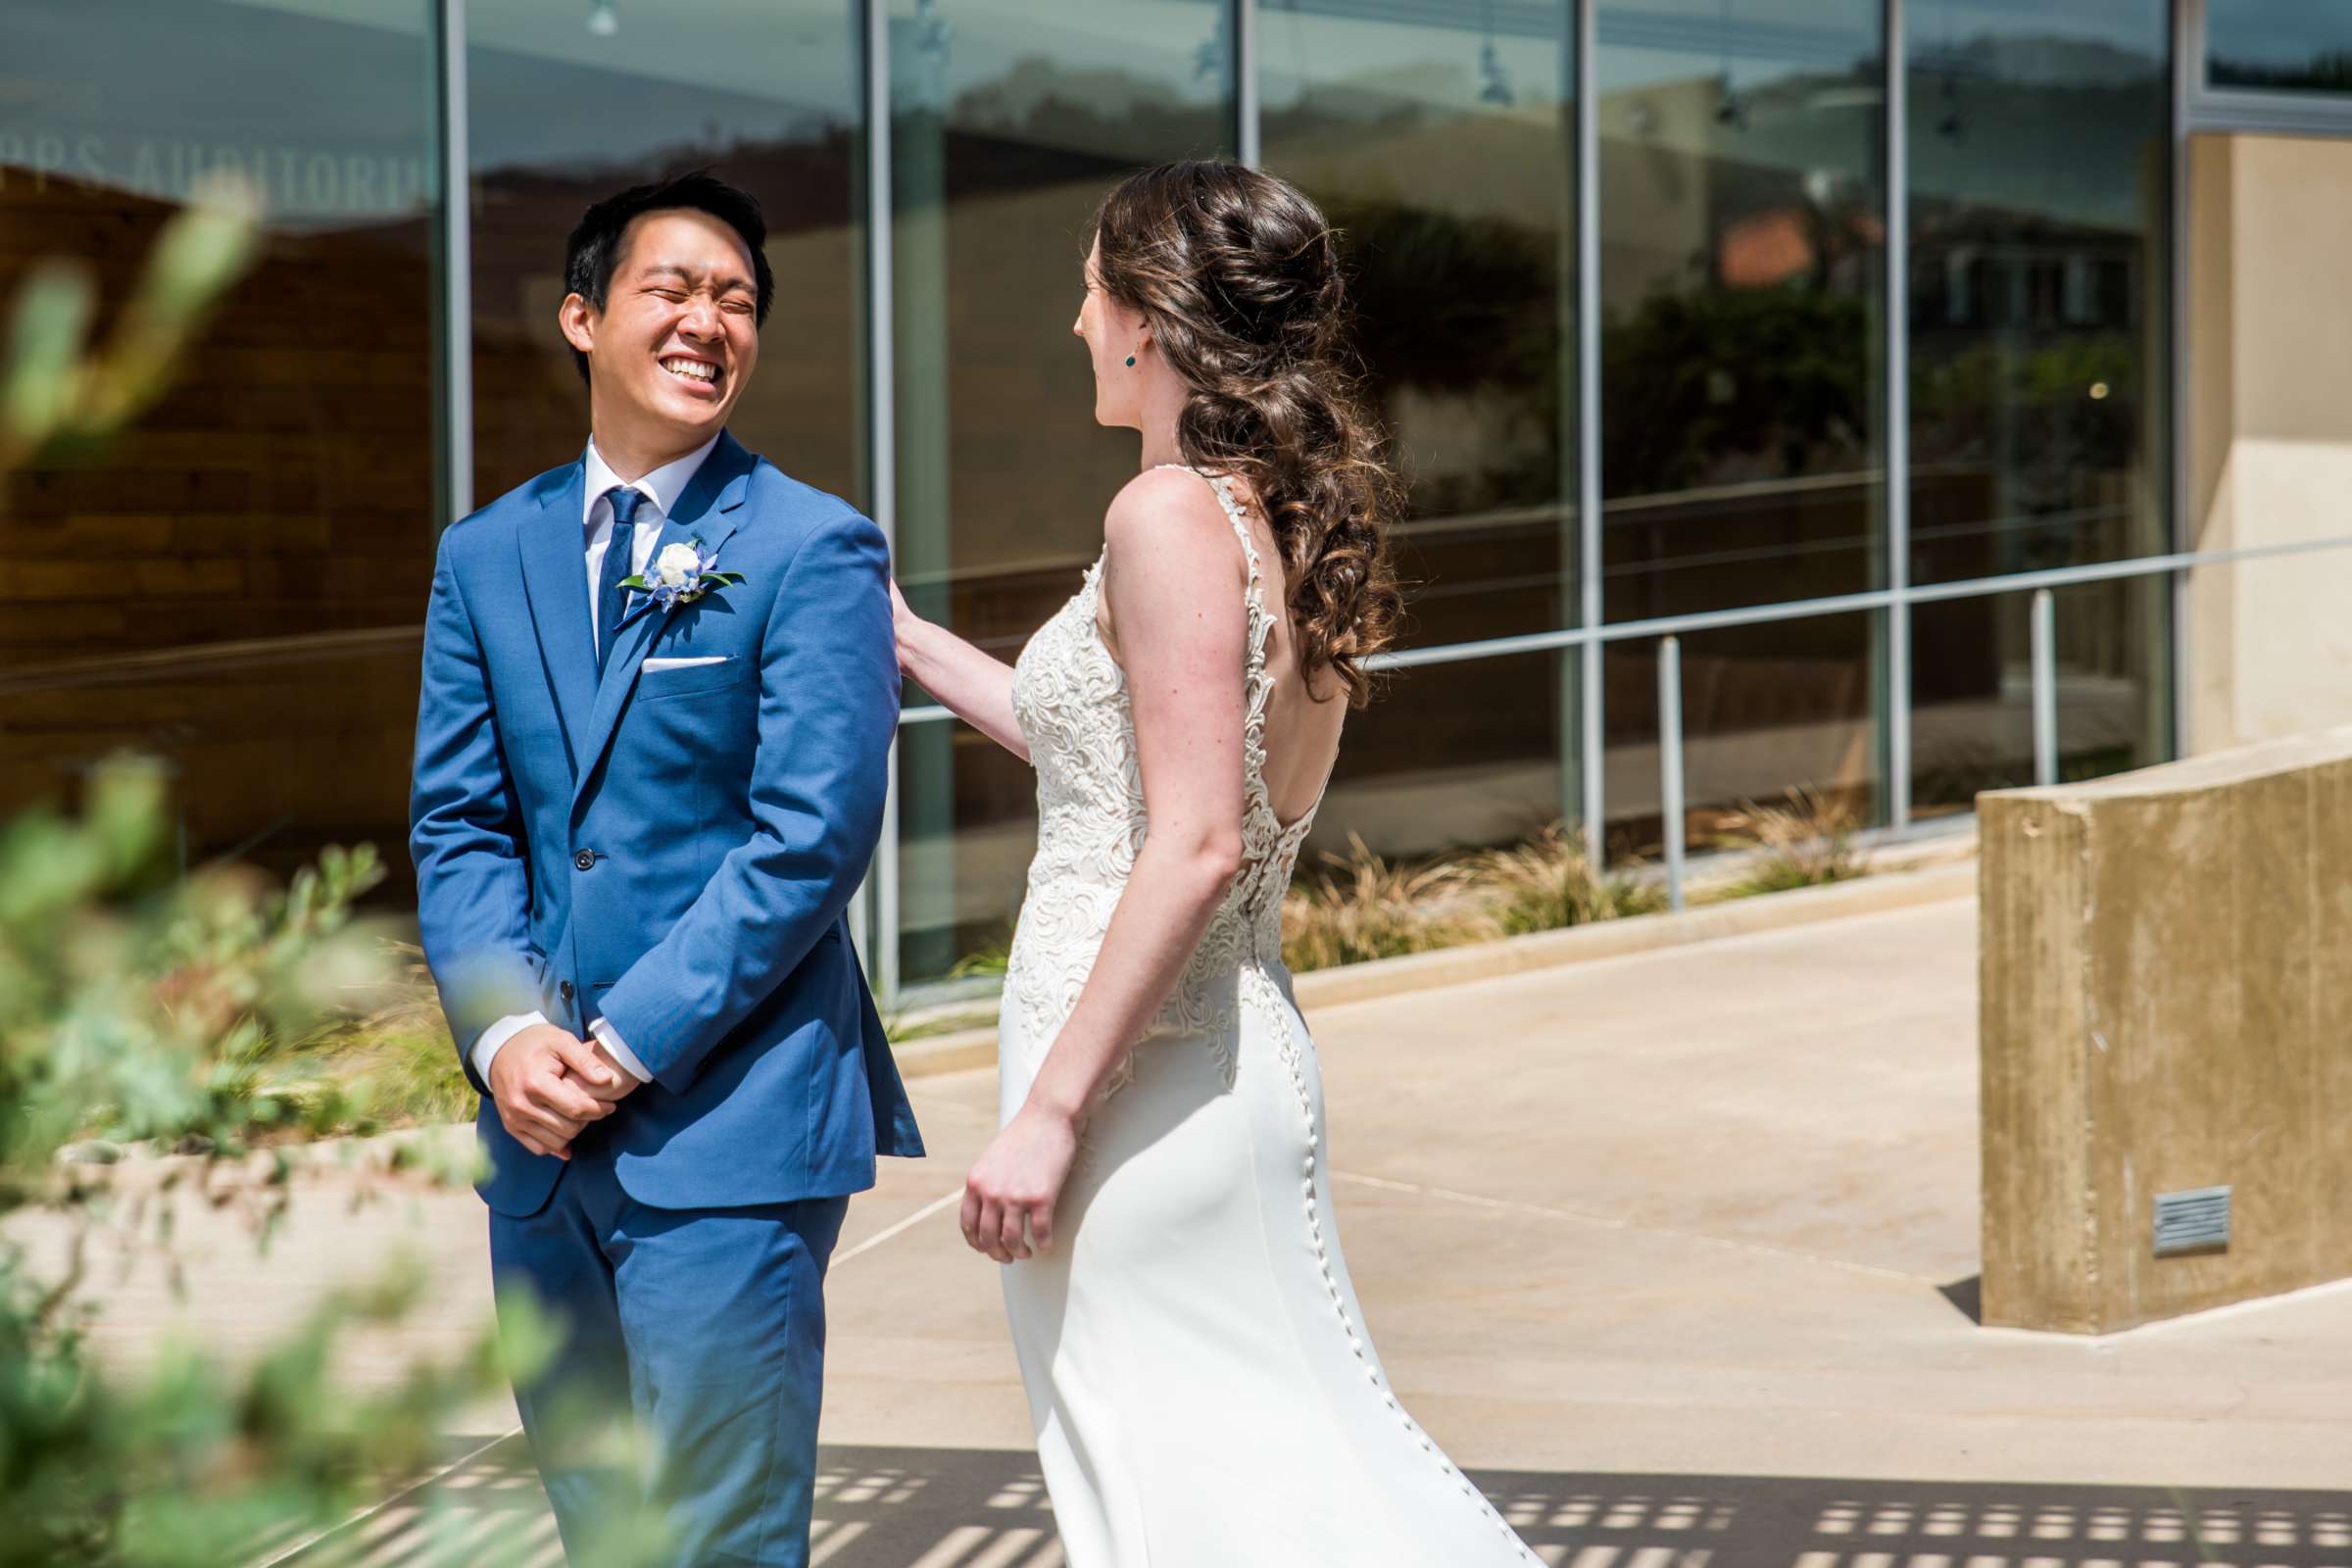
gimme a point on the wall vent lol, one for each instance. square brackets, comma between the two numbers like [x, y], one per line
[2194, 1221]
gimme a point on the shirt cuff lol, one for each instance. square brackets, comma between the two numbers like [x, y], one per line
[486, 1045]
[609, 1038]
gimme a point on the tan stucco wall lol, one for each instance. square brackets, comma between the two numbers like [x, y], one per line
[2270, 420]
[2167, 1006]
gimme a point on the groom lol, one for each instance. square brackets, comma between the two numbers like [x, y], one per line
[639, 813]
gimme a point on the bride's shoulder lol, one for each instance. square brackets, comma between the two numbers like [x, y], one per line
[1164, 509]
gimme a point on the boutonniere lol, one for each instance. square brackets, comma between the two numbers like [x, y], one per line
[680, 575]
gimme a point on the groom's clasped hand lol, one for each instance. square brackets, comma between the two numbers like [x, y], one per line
[549, 1084]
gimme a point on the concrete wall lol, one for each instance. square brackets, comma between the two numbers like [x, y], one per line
[2167, 1006]
[2269, 422]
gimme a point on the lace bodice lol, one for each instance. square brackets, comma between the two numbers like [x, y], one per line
[1070, 698]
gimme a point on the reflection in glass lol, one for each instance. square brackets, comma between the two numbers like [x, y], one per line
[1743, 221]
[1972, 690]
[2039, 182]
[2039, 215]
[1493, 721]
[569, 104]
[2278, 45]
[1438, 141]
[1010, 122]
[229, 583]
[1766, 710]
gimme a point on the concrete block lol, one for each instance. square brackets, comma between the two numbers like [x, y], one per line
[2165, 1006]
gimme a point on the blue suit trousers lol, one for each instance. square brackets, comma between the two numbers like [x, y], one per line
[686, 1387]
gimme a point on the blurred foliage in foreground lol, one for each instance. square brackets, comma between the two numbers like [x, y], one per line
[165, 1041]
[147, 1033]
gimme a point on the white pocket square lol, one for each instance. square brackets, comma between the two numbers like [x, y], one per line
[655, 666]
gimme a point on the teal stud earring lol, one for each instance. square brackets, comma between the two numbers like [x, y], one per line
[1131, 361]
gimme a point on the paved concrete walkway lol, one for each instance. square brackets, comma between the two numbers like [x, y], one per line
[1675, 1254]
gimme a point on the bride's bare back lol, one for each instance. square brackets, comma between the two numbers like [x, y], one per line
[1303, 719]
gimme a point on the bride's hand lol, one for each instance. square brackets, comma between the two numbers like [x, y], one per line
[1018, 1179]
[901, 618]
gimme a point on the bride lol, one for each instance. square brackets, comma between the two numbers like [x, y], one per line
[1195, 1357]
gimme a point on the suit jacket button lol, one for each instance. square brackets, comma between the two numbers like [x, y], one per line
[585, 859]
[565, 990]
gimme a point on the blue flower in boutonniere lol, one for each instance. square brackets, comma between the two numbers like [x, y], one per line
[680, 575]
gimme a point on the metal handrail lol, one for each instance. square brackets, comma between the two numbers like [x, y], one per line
[1566, 637]
[1670, 629]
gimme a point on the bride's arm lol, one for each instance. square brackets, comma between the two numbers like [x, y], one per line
[971, 685]
[1176, 584]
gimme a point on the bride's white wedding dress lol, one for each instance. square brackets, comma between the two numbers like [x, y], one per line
[1203, 1393]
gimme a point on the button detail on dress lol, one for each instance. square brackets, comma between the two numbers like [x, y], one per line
[585, 859]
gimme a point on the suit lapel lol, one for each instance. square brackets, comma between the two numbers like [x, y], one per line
[555, 579]
[706, 511]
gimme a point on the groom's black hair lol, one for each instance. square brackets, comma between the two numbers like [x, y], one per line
[593, 251]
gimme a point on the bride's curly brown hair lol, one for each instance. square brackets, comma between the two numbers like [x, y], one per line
[1239, 276]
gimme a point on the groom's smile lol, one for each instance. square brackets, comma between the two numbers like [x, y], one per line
[702, 375]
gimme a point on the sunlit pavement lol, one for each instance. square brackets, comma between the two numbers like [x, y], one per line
[1674, 1254]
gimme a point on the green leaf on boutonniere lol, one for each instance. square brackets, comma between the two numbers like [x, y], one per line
[727, 579]
[637, 583]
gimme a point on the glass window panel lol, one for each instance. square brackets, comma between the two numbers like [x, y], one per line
[1766, 710]
[1438, 139]
[572, 100]
[235, 584]
[1010, 122]
[1971, 708]
[1455, 755]
[1971, 689]
[1743, 229]
[2278, 45]
[2041, 181]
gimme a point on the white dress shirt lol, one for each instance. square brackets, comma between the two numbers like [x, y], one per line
[661, 489]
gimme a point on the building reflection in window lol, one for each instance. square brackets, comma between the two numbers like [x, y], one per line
[1743, 221]
[2277, 46]
[2039, 175]
[1010, 122]
[570, 102]
[1438, 139]
[236, 583]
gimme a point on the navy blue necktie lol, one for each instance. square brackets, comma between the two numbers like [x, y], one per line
[611, 597]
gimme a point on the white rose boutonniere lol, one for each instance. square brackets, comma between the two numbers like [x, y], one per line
[680, 574]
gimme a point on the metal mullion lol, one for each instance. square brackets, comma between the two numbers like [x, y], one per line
[1897, 98]
[457, 262]
[2187, 65]
[1247, 110]
[1588, 422]
[882, 424]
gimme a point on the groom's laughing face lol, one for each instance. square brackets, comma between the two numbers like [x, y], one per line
[678, 335]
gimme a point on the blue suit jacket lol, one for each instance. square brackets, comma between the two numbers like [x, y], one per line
[674, 850]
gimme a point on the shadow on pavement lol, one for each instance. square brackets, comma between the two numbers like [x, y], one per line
[879, 1507]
